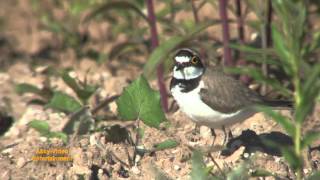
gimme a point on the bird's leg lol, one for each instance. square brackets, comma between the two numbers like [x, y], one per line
[226, 136]
[230, 134]
[196, 130]
[214, 135]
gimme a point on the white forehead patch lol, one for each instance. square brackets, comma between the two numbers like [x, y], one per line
[182, 59]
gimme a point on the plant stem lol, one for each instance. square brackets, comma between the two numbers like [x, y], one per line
[195, 12]
[154, 44]
[241, 39]
[266, 40]
[225, 32]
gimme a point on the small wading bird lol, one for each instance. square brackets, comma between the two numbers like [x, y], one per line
[210, 97]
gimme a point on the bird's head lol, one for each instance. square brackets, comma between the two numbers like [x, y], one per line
[187, 64]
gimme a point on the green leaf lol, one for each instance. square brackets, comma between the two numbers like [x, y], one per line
[84, 92]
[63, 102]
[139, 101]
[59, 135]
[282, 50]
[294, 161]
[261, 173]
[164, 49]
[198, 171]
[41, 126]
[251, 49]
[119, 5]
[27, 88]
[167, 144]
[309, 138]
[282, 120]
[81, 122]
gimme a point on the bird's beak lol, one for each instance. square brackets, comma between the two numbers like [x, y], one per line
[180, 66]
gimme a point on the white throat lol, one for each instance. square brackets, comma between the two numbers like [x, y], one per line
[187, 73]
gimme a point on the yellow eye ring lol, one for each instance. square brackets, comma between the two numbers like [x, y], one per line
[194, 60]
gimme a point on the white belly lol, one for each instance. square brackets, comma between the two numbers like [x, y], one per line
[191, 104]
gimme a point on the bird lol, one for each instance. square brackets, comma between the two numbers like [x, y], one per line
[212, 98]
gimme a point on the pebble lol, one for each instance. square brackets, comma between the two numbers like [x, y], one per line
[135, 170]
[7, 151]
[21, 162]
[246, 155]
[93, 140]
[176, 167]
[60, 177]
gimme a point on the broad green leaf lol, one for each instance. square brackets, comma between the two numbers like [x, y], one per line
[63, 102]
[198, 171]
[27, 88]
[294, 161]
[309, 138]
[282, 120]
[70, 81]
[167, 144]
[117, 5]
[164, 49]
[139, 101]
[59, 135]
[41, 126]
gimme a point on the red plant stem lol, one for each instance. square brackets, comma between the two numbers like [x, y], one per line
[240, 25]
[195, 12]
[240, 22]
[154, 44]
[225, 32]
[268, 26]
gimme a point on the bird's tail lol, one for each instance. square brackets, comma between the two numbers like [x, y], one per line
[282, 104]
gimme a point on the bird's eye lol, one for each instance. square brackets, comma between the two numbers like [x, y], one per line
[194, 60]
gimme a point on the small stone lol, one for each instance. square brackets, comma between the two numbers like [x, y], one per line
[7, 151]
[93, 140]
[176, 167]
[135, 170]
[305, 171]
[80, 170]
[60, 177]
[246, 155]
[43, 139]
[21, 162]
